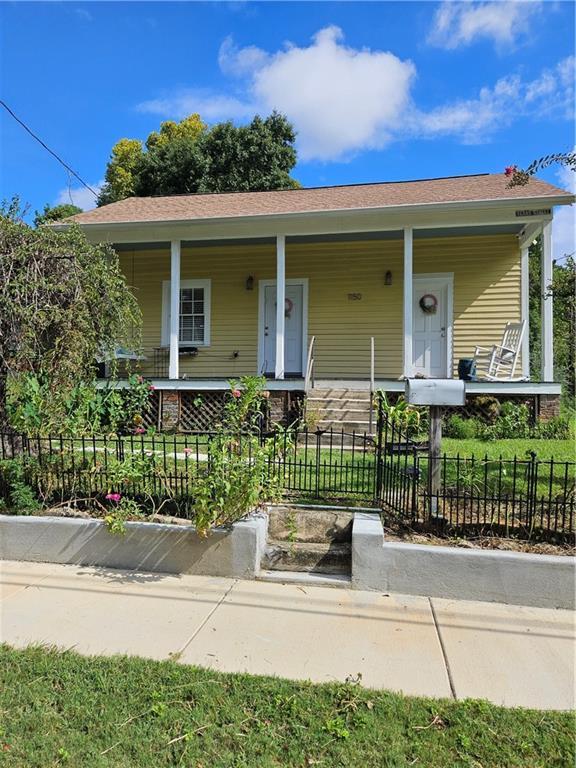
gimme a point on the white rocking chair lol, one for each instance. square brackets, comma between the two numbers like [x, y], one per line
[498, 363]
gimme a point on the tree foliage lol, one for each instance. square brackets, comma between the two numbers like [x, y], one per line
[63, 302]
[52, 213]
[189, 157]
[519, 177]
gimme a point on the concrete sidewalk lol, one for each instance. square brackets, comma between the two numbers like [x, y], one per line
[508, 654]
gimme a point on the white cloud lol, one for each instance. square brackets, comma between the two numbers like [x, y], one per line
[340, 99]
[79, 196]
[343, 100]
[475, 120]
[211, 106]
[564, 222]
[461, 23]
[240, 61]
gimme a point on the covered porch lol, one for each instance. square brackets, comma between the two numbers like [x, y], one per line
[336, 307]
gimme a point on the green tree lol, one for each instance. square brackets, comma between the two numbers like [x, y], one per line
[63, 302]
[258, 156]
[53, 213]
[121, 171]
[187, 157]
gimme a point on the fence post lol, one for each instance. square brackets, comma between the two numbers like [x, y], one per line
[379, 468]
[532, 494]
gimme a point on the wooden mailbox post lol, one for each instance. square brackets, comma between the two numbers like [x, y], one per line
[436, 393]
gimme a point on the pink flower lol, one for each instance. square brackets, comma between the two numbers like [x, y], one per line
[140, 379]
[188, 451]
[114, 497]
[151, 387]
[509, 170]
[139, 431]
[236, 393]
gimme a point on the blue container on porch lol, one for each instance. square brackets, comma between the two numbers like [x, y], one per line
[467, 369]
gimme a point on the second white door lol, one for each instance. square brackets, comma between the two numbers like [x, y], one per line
[431, 326]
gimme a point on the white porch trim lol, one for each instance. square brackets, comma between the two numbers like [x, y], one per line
[173, 363]
[547, 321]
[280, 304]
[525, 311]
[408, 261]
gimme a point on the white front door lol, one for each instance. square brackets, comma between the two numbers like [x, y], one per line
[293, 330]
[431, 326]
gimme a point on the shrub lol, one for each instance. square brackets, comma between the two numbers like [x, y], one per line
[557, 428]
[84, 409]
[461, 428]
[488, 406]
[16, 486]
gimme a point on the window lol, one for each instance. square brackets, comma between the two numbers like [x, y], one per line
[194, 313]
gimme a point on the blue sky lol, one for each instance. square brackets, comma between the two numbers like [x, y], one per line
[377, 91]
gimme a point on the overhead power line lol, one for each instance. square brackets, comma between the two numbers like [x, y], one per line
[47, 148]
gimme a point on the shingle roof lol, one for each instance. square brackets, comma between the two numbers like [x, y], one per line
[455, 189]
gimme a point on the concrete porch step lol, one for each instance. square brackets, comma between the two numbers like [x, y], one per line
[339, 394]
[306, 578]
[345, 425]
[326, 557]
[289, 524]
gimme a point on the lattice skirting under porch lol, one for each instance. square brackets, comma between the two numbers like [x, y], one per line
[200, 411]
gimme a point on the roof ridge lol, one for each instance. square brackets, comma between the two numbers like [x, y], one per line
[305, 189]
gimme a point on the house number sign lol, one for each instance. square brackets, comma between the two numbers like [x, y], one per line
[354, 296]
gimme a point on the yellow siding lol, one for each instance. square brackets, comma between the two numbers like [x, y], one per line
[486, 295]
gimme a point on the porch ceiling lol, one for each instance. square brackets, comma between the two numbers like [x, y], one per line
[495, 229]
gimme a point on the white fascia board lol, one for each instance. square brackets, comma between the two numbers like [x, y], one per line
[387, 218]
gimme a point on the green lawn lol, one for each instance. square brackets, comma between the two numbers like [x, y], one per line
[559, 450]
[60, 709]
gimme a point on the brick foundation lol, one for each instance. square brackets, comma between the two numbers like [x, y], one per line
[170, 411]
[548, 407]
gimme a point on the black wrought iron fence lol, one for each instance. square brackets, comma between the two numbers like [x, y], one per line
[525, 497]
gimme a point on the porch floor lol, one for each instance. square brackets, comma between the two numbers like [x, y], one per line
[386, 385]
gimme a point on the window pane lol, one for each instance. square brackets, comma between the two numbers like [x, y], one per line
[192, 319]
[198, 330]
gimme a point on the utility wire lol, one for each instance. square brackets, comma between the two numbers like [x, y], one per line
[46, 147]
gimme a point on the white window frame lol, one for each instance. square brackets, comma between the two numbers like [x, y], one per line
[206, 285]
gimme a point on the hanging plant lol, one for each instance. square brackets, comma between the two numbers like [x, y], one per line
[428, 304]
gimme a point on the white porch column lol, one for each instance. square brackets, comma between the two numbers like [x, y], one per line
[547, 330]
[174, 308]
[525, 311]
[280, 304]
[408, 358]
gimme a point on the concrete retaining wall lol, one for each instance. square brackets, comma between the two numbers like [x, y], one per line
[545, 581]
[156, 547]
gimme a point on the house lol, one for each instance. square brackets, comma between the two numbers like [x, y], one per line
[347, 288]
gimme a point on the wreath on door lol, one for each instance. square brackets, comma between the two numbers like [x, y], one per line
[288, 307]
[428, 304]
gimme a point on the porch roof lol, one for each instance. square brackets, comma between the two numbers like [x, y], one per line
[455, 190]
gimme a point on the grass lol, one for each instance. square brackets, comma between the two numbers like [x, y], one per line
[559, 450]
[61, 709]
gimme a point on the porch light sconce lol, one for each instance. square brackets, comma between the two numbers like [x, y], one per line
[250, 283]
[388, 278]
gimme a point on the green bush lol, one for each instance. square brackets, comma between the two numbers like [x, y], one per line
[461, 428]
[557, 428]
[18, 491]
[35, 409]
